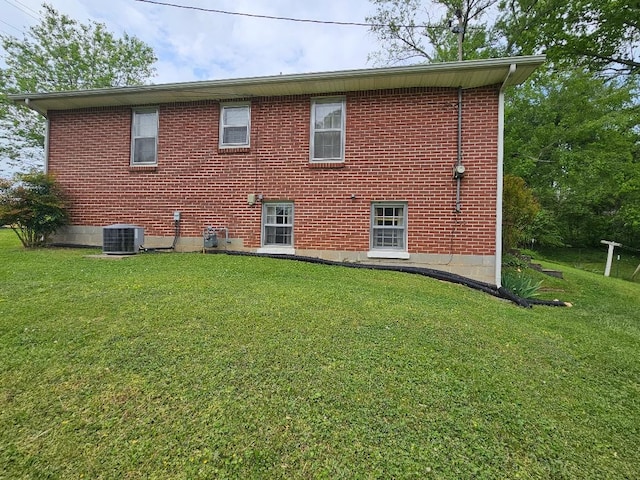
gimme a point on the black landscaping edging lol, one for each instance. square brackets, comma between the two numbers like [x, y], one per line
[499, 292]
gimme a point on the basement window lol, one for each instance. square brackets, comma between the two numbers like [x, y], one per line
[144, 137]
[388, 230]
[277, 228]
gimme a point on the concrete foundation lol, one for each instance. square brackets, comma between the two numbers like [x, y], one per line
[477, 267]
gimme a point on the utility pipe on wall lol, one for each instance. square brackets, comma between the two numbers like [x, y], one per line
[457, 174]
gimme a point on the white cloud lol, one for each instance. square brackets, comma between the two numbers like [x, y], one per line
[196, 45]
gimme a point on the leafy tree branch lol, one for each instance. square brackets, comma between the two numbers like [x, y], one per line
[58, 54]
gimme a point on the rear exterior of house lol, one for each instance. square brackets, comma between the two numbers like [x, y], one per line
[350, 166]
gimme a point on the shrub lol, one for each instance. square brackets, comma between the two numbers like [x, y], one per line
[514, 260]
[33, 206]
[520, 283]
[520, 208]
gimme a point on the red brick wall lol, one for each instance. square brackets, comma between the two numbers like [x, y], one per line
[400, 146]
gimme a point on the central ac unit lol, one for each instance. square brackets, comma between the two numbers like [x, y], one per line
[121, 239]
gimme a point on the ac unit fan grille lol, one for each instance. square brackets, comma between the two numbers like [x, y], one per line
[122, 239]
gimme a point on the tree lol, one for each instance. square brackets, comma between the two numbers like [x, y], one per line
[33, 206]
[594, 34]
[409, 31]
[574, 138]
[55, 55]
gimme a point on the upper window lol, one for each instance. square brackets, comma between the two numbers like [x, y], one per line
[389, 226]
[144, 137]
[234, 125]
[327, 130]
[277, 224]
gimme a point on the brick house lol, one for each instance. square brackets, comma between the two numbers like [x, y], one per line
[397, 165]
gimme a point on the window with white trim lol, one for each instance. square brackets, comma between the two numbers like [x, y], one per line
[144, 136]
[235, 122]
[389, 226]
[277, 225]
[327, 130]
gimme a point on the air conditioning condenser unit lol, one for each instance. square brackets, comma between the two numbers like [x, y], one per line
[122, 239]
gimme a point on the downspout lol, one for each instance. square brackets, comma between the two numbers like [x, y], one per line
[46, 144]
[27, 102]
[500, 174]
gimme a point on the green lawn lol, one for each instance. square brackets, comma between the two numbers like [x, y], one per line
[211, 366]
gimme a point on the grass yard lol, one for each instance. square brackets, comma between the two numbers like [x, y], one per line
[209, 366]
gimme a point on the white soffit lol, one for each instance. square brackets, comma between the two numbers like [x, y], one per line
[466, 74]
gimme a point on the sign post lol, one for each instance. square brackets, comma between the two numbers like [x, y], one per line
[612, 245]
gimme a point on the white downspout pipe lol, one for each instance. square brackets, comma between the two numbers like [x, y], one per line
[500, 176]
[46, 145]
[27, 102]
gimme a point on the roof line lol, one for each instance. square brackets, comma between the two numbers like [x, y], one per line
[466, 65]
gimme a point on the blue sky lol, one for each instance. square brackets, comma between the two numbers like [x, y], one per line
[195, 45]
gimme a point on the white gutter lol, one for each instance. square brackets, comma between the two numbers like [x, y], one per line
[500, 176]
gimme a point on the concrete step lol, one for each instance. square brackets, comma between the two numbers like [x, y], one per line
[552, 273]
[546, 271]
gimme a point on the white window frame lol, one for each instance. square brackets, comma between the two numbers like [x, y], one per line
[381, 251]
[135, 113]
[315, 102]
[247, 125]
[277, 248]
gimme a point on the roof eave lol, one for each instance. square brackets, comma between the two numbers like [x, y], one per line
[465, 74]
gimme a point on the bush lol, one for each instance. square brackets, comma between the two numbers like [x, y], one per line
[520, 283]
[33, 206]
[520, 208]
[515, 260]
